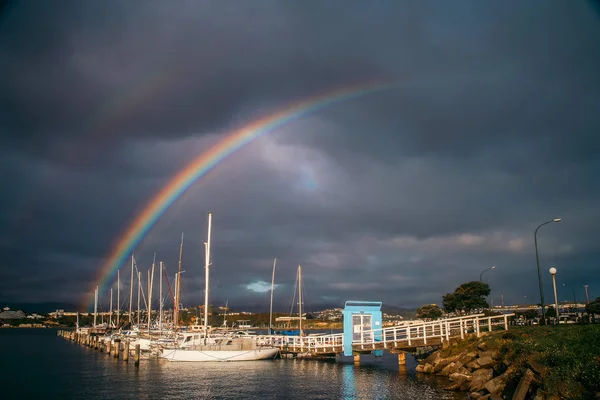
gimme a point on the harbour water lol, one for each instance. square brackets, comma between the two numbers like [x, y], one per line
[36, 363]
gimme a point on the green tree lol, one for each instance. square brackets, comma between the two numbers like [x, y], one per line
[429, 312]
[593, 307]
[467, 297]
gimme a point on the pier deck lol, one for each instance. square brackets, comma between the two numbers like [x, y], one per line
[403, 337]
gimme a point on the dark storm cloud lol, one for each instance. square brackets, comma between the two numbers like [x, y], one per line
[399, 196]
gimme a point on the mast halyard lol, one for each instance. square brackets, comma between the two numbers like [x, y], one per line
[272, 290]
[207, 274]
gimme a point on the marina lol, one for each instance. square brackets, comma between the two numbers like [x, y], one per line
[398, 340]
[363, 331]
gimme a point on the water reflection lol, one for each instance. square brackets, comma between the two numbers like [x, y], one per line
[66, 370]
[348, 385]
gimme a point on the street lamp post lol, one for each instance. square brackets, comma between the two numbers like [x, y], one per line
[587, 297]
[481, 274]
[553, 273]
[537, 258]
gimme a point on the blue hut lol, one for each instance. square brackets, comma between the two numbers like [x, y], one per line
[360, 319]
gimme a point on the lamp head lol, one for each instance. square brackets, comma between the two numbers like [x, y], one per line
[553, 271]
[557, 219]
[493, 267]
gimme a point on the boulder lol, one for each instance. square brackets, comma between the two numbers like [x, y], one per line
[465, 359]
[433, 358]
[497, 385]
[450, 368]
[523, 386]
[419, 368]
[457, 384]
[482, 346]
[540, 369]
[428, 369]
[480, 378]
[485, 362]
[488, 353]
[472, 354]
[457, 376]
[472, 365]
[444, 362]
[479, 396]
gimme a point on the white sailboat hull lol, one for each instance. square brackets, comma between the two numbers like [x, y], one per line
[219, 355]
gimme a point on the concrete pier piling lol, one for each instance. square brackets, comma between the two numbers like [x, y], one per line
[402, 358]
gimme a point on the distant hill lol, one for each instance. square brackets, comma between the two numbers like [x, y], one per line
[39, 307]
[310, 308]
[402, 311]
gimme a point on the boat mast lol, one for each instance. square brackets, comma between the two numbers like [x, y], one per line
[207, 274]
[272, 289]
[160, 299]
[110, 318]
[118, 297]
[175, 325]
[95, 305]
[177, 285]
[131, 292]
[139, 274]
[300, 298]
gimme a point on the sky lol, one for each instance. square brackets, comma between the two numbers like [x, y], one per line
[398, 196]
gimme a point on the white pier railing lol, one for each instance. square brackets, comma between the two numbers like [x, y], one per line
[406, 334]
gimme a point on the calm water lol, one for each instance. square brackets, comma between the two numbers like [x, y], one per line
[38, 364]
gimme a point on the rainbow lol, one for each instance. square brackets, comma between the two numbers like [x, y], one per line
[206, 161]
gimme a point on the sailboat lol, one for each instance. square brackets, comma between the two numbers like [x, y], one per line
[206, 346]
[294, 332]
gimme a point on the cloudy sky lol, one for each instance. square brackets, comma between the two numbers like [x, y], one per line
[398, 196]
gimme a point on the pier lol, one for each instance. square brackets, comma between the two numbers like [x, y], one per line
[405, 337]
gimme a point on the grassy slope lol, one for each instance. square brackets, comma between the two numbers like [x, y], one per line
[572, 352]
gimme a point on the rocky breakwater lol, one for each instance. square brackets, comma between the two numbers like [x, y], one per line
[476, 366]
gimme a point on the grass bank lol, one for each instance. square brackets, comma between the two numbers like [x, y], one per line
[571, 354]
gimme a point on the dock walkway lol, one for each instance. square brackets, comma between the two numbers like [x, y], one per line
[406, 336]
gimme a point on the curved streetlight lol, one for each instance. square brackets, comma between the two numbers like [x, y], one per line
[481, 274]
[572, 290]
[537, 258]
